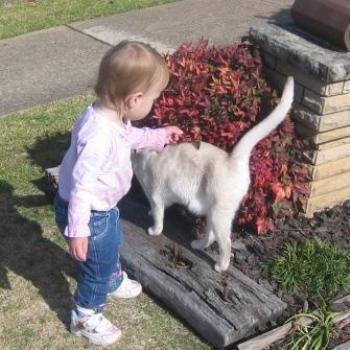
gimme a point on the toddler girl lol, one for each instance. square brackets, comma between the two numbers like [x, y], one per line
[96, 173]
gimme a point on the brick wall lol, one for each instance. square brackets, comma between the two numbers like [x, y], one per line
[322, 105]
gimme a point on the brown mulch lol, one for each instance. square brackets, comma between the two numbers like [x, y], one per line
[252, 252]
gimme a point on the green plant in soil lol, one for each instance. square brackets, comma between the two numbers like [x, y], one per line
[318, 269]
[315, 336]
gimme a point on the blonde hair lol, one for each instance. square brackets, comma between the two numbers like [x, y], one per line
[130, 67]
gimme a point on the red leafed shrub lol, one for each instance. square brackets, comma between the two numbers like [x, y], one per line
[216, 95]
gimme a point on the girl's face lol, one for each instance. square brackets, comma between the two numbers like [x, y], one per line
[138, 105]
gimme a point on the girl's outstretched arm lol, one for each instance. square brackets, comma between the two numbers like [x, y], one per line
[173, 134]
[154, 139]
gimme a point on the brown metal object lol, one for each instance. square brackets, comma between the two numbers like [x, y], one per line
[327, 19]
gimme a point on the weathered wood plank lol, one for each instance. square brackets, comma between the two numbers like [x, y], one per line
[340, 304]
[195, 291]
[222, 308]
[345, 346]
[264, 340]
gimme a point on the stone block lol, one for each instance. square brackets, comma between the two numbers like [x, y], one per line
[304, 131]
[317, 157]
[321, 123]
[319, 138]
[346, 87]
[326, 200]
[314, 57]
[309, 81]
[326, 105]
[333, 89]
[278, 80]
[332, 135]
[269, 60]
[329, 184]
[328, 170]
[334, 143]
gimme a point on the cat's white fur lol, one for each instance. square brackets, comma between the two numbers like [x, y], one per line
[208, 181]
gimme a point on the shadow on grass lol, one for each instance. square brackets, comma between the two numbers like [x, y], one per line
[47, 152]
[27, 253]
[23, 248]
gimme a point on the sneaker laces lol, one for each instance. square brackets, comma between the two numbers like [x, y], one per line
[98, 324]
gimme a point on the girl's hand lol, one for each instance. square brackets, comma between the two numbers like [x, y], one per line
[173, 134]
[78, 248]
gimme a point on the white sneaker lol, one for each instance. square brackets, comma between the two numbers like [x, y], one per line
[127, 289]
[96, 328]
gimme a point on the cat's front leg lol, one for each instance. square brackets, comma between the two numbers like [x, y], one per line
[157, 210]
[225, 254]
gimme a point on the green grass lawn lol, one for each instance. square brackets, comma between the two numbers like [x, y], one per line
[37, 277]
[22, 16]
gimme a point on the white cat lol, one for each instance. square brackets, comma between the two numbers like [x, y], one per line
[207, 180]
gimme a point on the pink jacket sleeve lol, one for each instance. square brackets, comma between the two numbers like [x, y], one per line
[154, 139]
[90, 159]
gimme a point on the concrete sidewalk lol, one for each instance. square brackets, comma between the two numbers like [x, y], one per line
[47, 65]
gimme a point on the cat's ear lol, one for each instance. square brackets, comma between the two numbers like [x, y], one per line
[196, 144]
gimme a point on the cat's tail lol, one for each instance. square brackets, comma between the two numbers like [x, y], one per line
[246, 144]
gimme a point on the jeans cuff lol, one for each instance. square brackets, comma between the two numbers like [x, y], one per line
[116, 281]
[96, 309]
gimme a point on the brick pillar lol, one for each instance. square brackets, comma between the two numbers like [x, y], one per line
[322, 105]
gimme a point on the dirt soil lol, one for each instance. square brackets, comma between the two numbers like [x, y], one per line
[252, 252]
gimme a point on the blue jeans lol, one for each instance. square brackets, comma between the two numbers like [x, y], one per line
[101, 273]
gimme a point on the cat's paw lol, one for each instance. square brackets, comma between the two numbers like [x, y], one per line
[154, 231]
[221, 267]
[197, 244]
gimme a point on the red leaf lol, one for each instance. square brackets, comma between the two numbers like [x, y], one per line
[216, 95]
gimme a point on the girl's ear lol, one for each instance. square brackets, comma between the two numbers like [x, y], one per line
[133, 100]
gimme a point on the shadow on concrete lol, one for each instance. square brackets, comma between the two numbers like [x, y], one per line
[281, 17]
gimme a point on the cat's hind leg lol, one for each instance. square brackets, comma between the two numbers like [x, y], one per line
[157, 210]
[206, 241]
[221, 222]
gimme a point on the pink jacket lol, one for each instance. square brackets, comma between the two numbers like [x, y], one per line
[96, 171]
